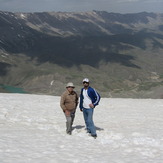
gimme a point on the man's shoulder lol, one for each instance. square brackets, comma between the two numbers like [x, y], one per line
[65, 93]
[90, 88]
[82, 89]
[74, 92]
[93, 90]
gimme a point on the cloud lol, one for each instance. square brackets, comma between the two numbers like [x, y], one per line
[122, 6]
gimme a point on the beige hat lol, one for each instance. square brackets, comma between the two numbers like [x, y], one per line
[70, 84]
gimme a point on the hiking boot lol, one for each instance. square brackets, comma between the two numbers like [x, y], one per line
[88, 131]
[69, 132]
[94, 136]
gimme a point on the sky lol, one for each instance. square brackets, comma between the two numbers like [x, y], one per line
[116, 6]
[33, 130]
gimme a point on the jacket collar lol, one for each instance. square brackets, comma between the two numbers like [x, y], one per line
[72, 93]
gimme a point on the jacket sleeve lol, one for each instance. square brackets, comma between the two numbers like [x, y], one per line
[96, 98]
[62, 103]
[81, 99]
[77, 99]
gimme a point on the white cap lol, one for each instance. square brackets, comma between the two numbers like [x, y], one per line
[86, 80]
[70, 84]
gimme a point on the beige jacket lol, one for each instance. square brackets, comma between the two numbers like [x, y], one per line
[69, 101]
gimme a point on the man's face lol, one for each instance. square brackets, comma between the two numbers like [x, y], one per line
[85, 84]
[70, 89]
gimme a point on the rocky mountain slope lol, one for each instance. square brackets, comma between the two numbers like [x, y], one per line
[122, 54]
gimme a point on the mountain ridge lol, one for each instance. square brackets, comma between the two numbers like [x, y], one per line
[123, 50]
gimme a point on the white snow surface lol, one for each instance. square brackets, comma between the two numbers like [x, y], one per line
[32, 130]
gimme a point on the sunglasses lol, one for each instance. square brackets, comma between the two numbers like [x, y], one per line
[85, 82]
[70, 87]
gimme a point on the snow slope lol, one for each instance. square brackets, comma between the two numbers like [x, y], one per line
[32, 129]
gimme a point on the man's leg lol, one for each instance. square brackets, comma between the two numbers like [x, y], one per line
[72, 117]
[91, 123]
[68, 125]
[85, 115]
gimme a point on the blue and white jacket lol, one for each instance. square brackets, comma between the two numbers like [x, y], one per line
[93, 94]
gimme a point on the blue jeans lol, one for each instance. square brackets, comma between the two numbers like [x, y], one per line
[88, 117]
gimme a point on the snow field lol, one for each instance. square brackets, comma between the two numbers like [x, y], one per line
[32, 129]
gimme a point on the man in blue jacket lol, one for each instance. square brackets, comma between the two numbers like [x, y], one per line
[89, 98]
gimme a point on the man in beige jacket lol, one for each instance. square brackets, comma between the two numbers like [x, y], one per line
[68, 103]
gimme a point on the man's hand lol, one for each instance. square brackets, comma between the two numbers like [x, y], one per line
[67, 112]
[91, 105]
[81, 110]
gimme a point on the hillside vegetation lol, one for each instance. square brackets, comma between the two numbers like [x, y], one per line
[121, 54]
